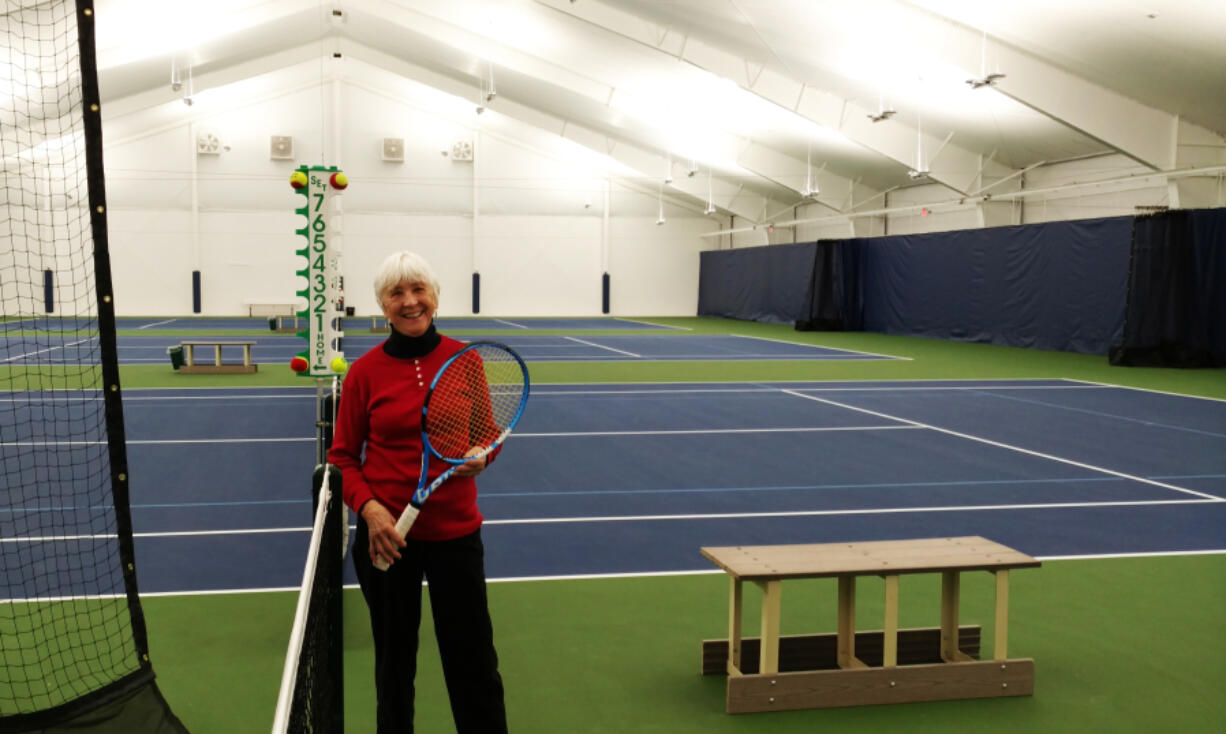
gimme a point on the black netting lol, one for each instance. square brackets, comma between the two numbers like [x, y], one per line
[72, 637]
[315, 703]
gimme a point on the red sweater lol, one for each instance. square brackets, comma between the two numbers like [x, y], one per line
[380, 410]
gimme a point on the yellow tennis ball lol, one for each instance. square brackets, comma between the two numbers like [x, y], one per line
[298, 180]
[339, 365]
[339, 181]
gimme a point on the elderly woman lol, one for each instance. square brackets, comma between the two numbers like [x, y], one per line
[377, 444]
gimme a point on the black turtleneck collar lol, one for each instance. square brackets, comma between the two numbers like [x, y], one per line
[409, 347]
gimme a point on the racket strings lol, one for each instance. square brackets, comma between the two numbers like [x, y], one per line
[474, 400]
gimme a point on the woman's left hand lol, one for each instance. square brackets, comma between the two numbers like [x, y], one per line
[473, 467]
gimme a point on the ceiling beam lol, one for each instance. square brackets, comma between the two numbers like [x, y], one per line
[649, 164]
[956, 168]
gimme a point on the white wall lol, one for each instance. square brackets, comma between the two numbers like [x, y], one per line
[527, 214]
[530, 220]
[1086, 202]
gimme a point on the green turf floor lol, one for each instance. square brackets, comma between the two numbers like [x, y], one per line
[1120, 645]
[923, 359]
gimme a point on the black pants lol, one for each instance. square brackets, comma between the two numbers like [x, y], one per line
[455, 572]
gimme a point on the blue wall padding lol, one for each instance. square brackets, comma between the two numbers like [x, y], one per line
[1055, 285]
[768, 284]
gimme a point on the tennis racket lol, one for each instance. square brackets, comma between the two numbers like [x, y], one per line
[475, 400]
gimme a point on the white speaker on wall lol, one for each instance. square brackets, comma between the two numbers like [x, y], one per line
[281, 147]
[393, 150]
[462, 150]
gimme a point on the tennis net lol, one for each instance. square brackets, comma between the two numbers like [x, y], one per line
[312, 697]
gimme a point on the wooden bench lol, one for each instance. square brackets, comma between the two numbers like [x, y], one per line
[288, 324]
[270, 308]
[190, 365]
[850, 668]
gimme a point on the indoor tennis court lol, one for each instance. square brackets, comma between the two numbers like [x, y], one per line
[786, 278]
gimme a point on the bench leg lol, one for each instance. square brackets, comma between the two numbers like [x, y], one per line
[847, 624]
[772, 604]
[189, 355]
[950, 593]
[889, 655]
[734, 625]
[1000, 646]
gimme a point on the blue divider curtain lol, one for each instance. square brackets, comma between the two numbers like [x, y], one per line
[1054, 285]
[1176, 307]
[768, 284]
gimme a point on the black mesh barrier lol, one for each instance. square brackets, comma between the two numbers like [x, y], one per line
[73, 649]
[312, 692]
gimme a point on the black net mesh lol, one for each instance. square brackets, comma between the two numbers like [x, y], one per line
[71, 635]
[315, 703]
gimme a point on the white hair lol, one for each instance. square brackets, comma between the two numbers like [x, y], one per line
[401, 266]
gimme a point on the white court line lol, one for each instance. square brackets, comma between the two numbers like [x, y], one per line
[601, 346]
[820, 346]
[569, 577]
[837, 513]
[167, 534]
[656, 326]
[48, 349]
[148, 442]
[156, 323]
[711, 431]
[1092, 383]
[663, 518]
[766, 388]
[1009, 447]
[511, 323]
[524, 435]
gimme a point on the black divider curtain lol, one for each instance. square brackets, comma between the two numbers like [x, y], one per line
[1175, 314]
[833, 301]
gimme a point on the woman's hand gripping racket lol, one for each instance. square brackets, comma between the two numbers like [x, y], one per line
[474, 402]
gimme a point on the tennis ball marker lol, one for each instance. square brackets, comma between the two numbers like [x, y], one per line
[324, 293]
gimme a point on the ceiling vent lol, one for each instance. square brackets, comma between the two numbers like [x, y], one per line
[281, 148]
[462, 150]
[393, 150]
[208, 142]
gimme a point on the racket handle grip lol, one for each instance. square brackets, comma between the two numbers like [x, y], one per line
[403, 525]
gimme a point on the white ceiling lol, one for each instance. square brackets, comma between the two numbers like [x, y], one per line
[768, 94]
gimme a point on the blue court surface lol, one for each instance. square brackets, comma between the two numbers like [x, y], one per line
[277, 350]
[634, 479]
[355, 323]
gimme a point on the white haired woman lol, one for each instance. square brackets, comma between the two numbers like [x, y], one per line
[377, 445]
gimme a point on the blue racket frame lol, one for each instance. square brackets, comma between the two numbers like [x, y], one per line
[424, 492]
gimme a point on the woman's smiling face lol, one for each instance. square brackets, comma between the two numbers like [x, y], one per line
[409, 307]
